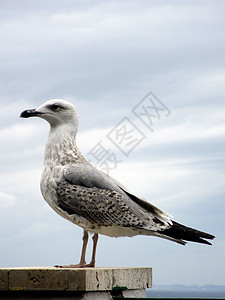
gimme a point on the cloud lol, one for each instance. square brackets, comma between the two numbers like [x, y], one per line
[105, 57]
[140, 38]
[6, 200]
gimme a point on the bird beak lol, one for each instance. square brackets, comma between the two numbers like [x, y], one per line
[30, 113]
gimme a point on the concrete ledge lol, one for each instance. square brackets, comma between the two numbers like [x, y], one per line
[80, 280]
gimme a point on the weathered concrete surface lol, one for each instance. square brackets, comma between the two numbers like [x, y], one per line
[87, 279]
[134, 293]
[4, 280]
[96, 296]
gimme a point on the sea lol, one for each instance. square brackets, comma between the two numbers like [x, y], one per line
[178, 291]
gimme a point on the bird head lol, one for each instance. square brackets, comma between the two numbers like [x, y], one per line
[56, 112]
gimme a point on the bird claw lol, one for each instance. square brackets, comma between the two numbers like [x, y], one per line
[90, 265]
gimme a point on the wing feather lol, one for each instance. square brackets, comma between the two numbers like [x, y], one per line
[98, 197]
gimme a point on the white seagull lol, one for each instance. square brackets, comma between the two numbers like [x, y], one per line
[91, 199]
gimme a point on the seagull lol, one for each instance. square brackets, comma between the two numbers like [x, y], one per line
[91, 199]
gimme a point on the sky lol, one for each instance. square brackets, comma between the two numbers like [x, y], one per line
[112, 59]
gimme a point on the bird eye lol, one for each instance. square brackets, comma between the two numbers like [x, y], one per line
[55, 107]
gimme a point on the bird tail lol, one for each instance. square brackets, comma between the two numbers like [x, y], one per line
[179, 232]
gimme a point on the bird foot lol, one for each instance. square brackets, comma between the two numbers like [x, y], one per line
[90, 265]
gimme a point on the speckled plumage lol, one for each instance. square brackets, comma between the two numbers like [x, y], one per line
[88, 197]
[91, 199]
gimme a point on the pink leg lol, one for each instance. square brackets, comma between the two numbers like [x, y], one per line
[82, 263]
[83, 252]
[95, 241]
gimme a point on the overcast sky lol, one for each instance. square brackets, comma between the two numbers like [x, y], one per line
[104, 57]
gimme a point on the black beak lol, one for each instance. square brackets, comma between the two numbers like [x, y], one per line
[29, 113]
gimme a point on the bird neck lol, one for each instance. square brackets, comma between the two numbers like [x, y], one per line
[61, 147]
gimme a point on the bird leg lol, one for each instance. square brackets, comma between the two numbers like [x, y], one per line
[83, 263]
[95, 241]
[84, 247]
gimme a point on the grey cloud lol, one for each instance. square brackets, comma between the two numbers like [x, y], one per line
[105, 57]
[102, 55]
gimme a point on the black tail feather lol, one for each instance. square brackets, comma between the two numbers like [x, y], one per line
[181, 232]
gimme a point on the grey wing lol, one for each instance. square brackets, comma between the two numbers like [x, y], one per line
[98, 206]
[97, 197]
